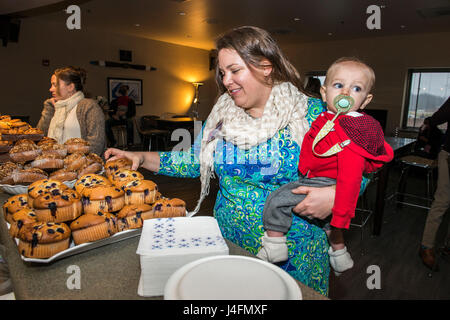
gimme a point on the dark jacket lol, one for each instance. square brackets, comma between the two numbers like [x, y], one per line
[441, 116]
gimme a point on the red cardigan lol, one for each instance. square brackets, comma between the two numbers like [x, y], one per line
[366, 152]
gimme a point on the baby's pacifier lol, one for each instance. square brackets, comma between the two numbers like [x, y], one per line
[343, 103]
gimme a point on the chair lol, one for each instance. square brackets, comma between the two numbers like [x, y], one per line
[363, 212]
[148, 132]
[413, 161]
[120, 131]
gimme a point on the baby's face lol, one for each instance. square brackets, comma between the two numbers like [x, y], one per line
[350, 79]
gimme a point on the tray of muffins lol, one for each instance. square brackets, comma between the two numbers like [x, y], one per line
[30, 161]
[51, 220]
[12, 130]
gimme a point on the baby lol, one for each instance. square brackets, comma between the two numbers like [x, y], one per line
[341, 145]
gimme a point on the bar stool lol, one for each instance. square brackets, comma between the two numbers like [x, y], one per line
[148, 132]
[120, 132]
[413, 161]
[363, 211]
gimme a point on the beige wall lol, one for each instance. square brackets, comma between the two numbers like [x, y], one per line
[25, 82]
[391, 57]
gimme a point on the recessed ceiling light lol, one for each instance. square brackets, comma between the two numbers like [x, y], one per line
[182, 13]
[330, 34]
[137, 25]
[296, 19]
[402, 26]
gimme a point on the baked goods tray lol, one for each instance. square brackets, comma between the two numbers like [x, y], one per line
[19, 188]
[76, 249]
[5, 148]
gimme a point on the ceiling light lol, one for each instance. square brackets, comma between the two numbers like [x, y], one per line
[137, 25]
[296, 19]
[182, 13]
[330, 34]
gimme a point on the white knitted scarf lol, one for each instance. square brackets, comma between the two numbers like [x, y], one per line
[286, 107]
[62, 109]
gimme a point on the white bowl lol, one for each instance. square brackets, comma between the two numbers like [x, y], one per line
[231, 278]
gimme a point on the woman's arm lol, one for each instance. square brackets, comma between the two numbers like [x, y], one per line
[46, 116]
[92, 125]
[170, 163]
[147, 160]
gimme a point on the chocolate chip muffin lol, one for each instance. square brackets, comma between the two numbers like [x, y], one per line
[43, 239]
[113, 165]
[58, 205]
[90, 180]
[166, 208]
[122, 176]
[21, 218]
[104, 198]
[132, 216]
[14, 204]
[140, 191]
[92, 227]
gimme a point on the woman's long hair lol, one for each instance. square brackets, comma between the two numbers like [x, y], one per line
[254, 44]
[74, 75]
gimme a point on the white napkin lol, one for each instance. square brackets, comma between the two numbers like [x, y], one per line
[167, 244]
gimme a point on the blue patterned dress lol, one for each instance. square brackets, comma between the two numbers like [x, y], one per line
[245, 180]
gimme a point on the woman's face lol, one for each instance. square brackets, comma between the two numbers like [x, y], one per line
[60, 90]
[244, 85]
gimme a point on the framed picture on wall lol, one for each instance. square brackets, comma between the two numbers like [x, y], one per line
[134, 89]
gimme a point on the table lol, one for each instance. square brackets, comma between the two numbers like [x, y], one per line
[401, 147]
[108, 272]
[175, 123]
[192, 125]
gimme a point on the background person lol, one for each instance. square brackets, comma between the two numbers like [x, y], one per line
[122, 111]
[441, 200]
[68, 114]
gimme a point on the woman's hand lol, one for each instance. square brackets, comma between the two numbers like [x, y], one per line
[318, 202]
[136, 157]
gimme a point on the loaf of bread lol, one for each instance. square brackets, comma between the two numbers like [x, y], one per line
[77, 145]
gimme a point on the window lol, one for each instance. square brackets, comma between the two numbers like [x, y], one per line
[427, 91]
[316, 74]
[312, 86]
